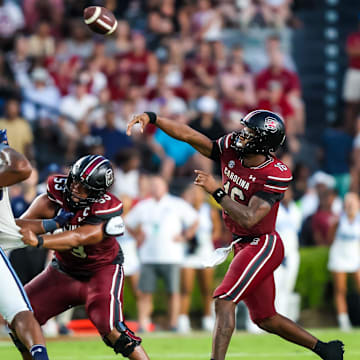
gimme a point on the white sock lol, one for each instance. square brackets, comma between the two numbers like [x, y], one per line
[344, 321]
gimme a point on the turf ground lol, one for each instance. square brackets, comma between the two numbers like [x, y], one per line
[163, 346]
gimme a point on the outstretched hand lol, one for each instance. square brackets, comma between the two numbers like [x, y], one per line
[142, 119]
[206, 181]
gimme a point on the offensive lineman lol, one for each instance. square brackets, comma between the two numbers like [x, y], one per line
[87, 267]
[14, 304]
[253, 184]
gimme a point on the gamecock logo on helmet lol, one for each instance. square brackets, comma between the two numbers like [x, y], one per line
[270, 124]
[109, 177]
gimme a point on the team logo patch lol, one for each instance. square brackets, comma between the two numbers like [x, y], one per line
[109, 177]
[270, 124]
[231, 164]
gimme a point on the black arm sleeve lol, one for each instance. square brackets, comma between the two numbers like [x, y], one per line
[215, 152]
[270, 197]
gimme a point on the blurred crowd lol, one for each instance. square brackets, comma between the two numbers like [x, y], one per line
[66, 92]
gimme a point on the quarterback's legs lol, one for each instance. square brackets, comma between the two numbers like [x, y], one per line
[16, 309]
[104, 305]
[254, 263]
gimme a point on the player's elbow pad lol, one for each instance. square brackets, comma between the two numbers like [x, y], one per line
[114, 226]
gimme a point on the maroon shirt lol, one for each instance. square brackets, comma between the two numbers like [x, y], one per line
[86, 259]
[241, 183]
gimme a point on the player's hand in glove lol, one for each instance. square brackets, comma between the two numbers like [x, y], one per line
[3, 137]
[58, 221]
[63, 217]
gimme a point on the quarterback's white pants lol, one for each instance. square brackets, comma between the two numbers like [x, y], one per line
[13, 298]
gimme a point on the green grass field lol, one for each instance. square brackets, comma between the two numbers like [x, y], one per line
[162, 346]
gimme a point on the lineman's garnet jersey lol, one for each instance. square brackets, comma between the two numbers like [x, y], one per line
[268, 181]
[86, 259]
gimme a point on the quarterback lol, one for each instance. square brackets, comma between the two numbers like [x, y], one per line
[87, 267]
[253, 183]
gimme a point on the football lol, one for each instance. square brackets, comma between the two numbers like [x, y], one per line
[100, 20]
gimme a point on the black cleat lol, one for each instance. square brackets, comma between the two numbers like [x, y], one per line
[334, 350]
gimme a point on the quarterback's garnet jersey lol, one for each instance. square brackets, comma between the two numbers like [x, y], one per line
[86, 259]
[269, 181]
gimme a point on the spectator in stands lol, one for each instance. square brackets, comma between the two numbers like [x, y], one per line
[120, 43]
[323, 220]
[129, 248]
[336, 148]
[277, 101]
[161, 225]
[80, 43]
[206, 22]
[344, 256]
[127, 173]
[140, 62]
[201, 69]
[8, 88]
[277, 13]
[289, 80]
[77, 105]
[170, 154]
[42, 43]
[18, 129]
[288, 226]
[234, 108]
[351, 91]
[355, 160]
[36, 11]
[18, 59]
[237, 75]
[197, 250]
[301, 174]
[318, 183]
[12, 20]
[161, 21]
[207, 122]
[113, 139]
[41, 97]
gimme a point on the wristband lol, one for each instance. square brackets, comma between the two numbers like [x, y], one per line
[49, 225]
[40, 241]
[3, 146]
[152, 116]
[218, 194]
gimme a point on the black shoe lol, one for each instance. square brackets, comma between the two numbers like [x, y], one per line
[334, 350]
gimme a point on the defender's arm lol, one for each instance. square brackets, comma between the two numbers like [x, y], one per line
[178, 131]
[83, 235]
[41, 208]
[14, 167]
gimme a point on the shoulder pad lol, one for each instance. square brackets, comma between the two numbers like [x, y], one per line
[107, 207]
[114, 226]
[55, 188]
[279, 178]
[224, 142]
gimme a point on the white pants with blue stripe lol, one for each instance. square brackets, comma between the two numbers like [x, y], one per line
[13, 298]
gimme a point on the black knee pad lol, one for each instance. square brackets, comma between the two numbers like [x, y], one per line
[20, 346]
[126, 343]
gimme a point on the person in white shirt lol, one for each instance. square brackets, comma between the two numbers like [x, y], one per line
[161, 225]
[78, 104]
[288, 226]
[344, 256]
[198, 250]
